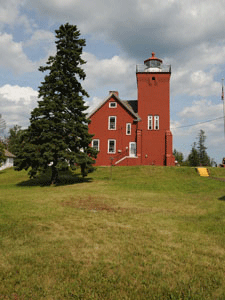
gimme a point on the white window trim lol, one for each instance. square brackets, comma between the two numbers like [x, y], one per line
[150, 119]
[112, 106]
[128, 124]
[114, 146]
[156, 119]
[109, 123]
[92, 143]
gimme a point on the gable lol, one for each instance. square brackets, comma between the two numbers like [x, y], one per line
[8, 154]
[130, 106]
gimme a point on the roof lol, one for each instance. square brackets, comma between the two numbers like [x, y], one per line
[8, 154]
[130, 105]
[153, 58]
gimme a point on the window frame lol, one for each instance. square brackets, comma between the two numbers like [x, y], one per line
[111, 140]
[92, 144]
[113, 102]
[109, 122]
[150, 121]
[156, 122]
[128, 125]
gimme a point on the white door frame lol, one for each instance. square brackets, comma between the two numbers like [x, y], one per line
[130, 149]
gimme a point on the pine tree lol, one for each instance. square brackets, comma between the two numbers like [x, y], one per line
[198, 156]
[58, 131]
[204, 159]
[193, 157]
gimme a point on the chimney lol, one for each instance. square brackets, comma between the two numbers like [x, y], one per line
[116, 93]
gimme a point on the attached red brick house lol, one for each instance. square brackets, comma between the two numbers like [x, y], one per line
[136, 132]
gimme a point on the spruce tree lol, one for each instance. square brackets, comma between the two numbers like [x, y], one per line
[193, 157]
[199, 156]
[58, 131]
[204, 159]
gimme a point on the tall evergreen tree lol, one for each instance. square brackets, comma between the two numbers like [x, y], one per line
[193, 157]
[204, 159]
[198, 155]
[2, 154]
[58, 132]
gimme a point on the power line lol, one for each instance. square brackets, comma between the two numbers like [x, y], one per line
[198, 123]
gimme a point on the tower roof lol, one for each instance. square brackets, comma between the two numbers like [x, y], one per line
[153, 58]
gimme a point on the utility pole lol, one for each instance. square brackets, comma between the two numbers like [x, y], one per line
[222, 98]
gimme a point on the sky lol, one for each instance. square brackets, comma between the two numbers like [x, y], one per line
[120, 34]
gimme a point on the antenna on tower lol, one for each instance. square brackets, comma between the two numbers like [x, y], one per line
[2, 124]
[222, 98]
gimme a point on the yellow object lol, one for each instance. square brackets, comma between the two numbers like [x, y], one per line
[203, 172]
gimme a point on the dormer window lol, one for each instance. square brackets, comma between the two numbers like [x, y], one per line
[112, 104]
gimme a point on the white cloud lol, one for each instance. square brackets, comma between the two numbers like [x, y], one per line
[200, 115]
[94, 103]
[40, 36]
[12, 55]
[168, 26]
[116, 73]
[9, 11]
[202, 110]
[16, 93]
[16, 104]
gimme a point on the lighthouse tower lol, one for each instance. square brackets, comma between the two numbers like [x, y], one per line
[154, 138]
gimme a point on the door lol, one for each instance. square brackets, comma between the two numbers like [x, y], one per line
[132, 149]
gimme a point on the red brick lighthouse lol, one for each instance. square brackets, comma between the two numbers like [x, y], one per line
[136, 132]
[154, 138]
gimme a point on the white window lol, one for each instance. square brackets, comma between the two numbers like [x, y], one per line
[150, 123]
[156, 122]
[95, 144]
[128, 129]
[112, 123]
[111, 146]
[112, 104]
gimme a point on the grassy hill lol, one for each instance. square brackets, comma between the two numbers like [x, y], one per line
[136, 233]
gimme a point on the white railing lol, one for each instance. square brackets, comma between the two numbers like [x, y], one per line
[144, 68]
[123, 158]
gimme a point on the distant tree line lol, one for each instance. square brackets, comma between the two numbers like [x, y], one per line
[198, 155]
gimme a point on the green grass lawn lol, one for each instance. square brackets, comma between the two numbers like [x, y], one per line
[147, 233]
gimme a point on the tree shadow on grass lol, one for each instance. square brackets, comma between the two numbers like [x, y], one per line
[65, 178]
[222, 198]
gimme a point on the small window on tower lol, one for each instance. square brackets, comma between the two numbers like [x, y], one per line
[112, 104]
[156, 122]
[153, 78]
[150, 125]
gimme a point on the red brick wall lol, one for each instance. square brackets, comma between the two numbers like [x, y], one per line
[154, 99]
[99, 127]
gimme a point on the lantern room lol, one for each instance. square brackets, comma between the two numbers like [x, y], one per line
[153, 64]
